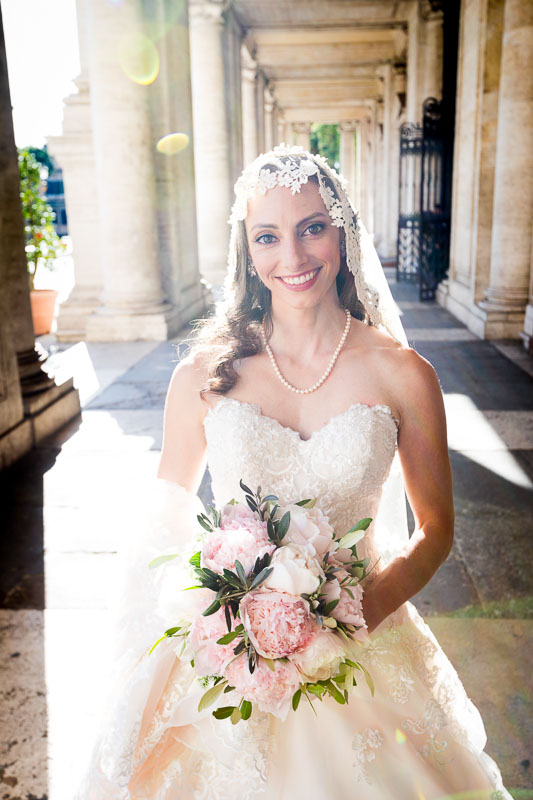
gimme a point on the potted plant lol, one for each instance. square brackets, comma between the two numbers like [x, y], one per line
[43, 245]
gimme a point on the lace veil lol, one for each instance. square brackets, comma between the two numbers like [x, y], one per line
[291, 166]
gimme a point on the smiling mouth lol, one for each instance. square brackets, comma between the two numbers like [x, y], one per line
[304, 277]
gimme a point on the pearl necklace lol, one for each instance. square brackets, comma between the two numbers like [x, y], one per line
[331, 364]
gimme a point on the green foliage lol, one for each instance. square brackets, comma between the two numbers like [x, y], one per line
[325, 140]
[42, 242]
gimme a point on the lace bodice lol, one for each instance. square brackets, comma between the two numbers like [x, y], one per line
[344, 464]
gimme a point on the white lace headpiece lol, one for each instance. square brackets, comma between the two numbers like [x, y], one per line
[292, 168]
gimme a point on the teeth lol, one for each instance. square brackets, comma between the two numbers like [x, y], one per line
[301, 279]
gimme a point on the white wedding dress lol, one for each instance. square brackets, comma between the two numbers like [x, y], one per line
[419, 737]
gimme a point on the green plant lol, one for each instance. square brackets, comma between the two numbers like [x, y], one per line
[325, 140]
[43, 245]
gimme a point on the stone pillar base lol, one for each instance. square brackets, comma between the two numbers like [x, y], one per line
[73, 316]
[483, 319]
[44, 413]
[15, 443]
[156, 324]
[50, 410]
[526, 334]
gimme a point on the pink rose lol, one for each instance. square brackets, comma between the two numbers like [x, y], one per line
[241, 537]
[277, 623]
[271, 691]
[209, 657]
[348, 609]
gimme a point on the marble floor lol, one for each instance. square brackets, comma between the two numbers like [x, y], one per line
[70, 505]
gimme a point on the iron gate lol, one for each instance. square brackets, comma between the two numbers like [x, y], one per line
[424, 219]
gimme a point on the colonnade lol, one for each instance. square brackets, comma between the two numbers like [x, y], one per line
[490, 284]
[146, 227]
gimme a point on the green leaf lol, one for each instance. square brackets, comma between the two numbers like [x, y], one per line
[155, 645]
[244, 487]
[330, 606]
[368, 679]
[317, 690]
[263, 575]
[172, 631]
[228, 688]
[231, 578]
[271, 531]
[156, 562]
[296, 699]
[310, 503]
[235, 716]
[270, 663]
[334, 692]
[240, 647]
[283, 525]
[228, 616]
[246, 709]
[351, 538]
[271, 498]
[211, 695]
[228, 638]
[223, 712]
[252, 504]
[329, 622]
[206, 525]
[240, 572]
[213, 608]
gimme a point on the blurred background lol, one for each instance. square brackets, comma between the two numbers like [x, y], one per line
[124, 125]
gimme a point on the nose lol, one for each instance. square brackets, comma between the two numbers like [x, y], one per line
[292, 255]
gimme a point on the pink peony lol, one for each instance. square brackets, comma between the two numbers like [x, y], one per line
[241, 537]
[277, 623]
[347, 609]
[209, 657]
[309, 526]
[271, 691]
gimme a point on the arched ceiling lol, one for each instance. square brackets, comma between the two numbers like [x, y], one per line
[322, 59]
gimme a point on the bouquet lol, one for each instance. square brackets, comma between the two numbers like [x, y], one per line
[277, 612]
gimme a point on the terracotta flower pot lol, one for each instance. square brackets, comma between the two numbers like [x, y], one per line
[43, 303]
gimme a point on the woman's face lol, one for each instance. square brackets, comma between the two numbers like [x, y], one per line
[293, 244]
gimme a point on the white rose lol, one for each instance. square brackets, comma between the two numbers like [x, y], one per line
[309, 526]
[296, 570]
[321, 659]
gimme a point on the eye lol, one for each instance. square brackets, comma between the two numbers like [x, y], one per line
[315, 228]
[269, 237]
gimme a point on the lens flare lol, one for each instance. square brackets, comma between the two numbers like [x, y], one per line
[400, 737]
[172, 143]
[139, 59]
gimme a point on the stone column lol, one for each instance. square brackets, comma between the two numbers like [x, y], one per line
[74, 152]
[211, 132]
[260, 105]
[302, 131]
[507, 295]
[25, 386]
[269, 119]
[413, 108]
[387, 242]
[249, 106]
[347, 156]
[432, 75]
[527, 333]
[133, 304]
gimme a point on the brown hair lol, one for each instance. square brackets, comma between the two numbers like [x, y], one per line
[235, 333]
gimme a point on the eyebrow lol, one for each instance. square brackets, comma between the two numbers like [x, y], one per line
[302, 221]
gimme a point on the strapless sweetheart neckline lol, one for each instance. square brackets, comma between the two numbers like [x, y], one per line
[257, 409]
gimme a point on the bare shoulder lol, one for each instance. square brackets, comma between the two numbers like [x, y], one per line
[188, 379]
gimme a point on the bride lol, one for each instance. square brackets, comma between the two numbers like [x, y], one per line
[303, 383]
